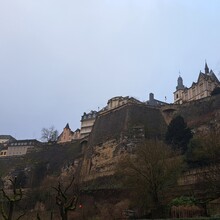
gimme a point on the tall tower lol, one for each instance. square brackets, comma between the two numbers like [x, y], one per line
[178, 94]
[180, 83]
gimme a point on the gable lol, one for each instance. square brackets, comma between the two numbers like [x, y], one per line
[201, 77]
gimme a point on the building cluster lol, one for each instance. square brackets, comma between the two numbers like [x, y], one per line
[9, 146]
[68, 135]
[204, 86]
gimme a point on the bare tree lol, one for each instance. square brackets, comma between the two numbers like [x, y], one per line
[49, 134]
[12, 200]
[151, 170]
[65, 200]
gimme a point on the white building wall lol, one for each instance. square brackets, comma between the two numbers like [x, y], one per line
[17, 150]
[86, 127]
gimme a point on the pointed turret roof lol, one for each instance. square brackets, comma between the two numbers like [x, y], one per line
[67, 126]
[206, 68]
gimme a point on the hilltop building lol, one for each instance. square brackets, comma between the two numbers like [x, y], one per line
[4, 139]
[19, 147]
[154, 102]
[68, 135]
[87, 121]
[205, 84]
[77, 134]
[118, 101]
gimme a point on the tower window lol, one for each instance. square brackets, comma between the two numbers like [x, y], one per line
[177, 96]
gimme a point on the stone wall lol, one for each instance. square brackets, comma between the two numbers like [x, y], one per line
[112, 124]
[118, 132]
[201, 115]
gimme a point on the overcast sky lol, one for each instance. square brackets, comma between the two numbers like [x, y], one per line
[60, 58]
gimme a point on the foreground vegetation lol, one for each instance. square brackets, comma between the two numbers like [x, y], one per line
[145, 184]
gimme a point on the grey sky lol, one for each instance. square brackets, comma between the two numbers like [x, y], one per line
[59, 59]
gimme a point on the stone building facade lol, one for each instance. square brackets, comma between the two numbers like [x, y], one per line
[118, 101]
[21, 147]
[68, 135]
[205, 84]
[87, 121]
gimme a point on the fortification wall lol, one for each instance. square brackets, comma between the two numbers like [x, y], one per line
[118, 132]
[201, 115]
[113, 124]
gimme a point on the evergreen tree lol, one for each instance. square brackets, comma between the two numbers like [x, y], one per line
[178, 134]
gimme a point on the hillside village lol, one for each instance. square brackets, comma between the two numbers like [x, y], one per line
[200, 89]
[109, 135]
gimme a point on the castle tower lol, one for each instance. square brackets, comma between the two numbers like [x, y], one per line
[180, 83]
[178, 94]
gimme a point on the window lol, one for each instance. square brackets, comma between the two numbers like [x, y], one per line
[177, 96]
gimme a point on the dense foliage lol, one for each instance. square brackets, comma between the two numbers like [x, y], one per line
[178, 134]
[204, 150]
[183, 200]
[204, 154]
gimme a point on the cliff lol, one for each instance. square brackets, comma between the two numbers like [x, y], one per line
[118, 131]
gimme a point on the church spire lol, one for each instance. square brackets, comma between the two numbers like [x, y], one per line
[206, 68]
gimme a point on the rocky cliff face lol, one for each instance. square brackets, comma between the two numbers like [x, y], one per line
[118, 132]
